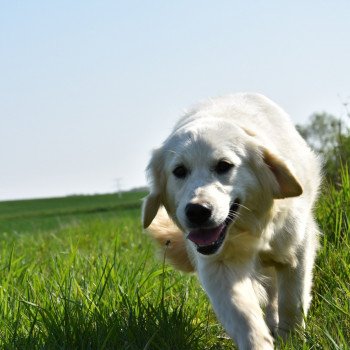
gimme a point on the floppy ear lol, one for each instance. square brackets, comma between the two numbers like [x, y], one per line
[153, 201]
[150, 208]
[288, 186]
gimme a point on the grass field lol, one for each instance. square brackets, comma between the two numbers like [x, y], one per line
[78, 273]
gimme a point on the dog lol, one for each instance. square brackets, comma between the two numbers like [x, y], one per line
[232, 191]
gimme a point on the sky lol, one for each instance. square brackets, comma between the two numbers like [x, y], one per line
[89, 88]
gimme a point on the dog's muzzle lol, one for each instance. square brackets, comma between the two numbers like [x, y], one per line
[209, 240]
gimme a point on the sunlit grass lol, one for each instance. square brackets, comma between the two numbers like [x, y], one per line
[89, 280]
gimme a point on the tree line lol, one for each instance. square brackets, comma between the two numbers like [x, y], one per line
[329, 136]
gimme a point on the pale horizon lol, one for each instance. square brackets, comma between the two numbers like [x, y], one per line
[88, 89]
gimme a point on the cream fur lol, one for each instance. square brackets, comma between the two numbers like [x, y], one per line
[269, 249]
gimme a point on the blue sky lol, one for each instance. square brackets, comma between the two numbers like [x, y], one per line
[88, 88]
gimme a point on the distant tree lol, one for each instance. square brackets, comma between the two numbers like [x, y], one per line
[330, 137]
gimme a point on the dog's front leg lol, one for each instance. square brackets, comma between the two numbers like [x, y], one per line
[294, 287]
[230, 289]
[294, 284]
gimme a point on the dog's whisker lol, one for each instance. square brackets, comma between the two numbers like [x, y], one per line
[244, 207]
[173, 152]
[237, 236]
[232, 215]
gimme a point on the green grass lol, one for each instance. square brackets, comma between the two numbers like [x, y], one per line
[78, 273]
[45, 214]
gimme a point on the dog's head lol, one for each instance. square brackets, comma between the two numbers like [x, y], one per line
[210, 175]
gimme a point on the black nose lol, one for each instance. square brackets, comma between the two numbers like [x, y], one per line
[197, 214]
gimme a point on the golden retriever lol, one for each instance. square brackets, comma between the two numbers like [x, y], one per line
[232, 195]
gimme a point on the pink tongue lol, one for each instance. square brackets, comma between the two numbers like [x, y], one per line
[205, 236]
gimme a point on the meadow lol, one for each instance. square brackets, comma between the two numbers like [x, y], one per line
[79, 273]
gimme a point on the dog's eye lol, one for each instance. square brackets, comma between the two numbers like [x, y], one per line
[223, 167]
[180, 172]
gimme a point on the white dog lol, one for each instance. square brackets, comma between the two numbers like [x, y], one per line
[238, 185]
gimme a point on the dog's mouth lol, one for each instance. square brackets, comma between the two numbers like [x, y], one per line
[209, 240]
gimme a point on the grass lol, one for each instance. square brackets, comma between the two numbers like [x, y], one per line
[77, 273]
